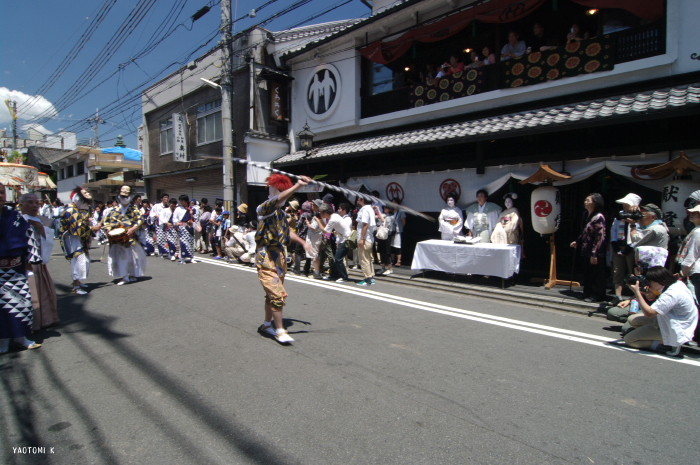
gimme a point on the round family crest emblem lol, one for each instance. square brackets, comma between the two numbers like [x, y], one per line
[394, 191]
[448, 186]
[323, 90]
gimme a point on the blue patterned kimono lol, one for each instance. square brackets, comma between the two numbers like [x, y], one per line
[18, 242]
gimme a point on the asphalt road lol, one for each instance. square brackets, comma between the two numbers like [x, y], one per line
[171, 370]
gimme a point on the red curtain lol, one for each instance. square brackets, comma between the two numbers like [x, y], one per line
[651, 10]
[494, 11]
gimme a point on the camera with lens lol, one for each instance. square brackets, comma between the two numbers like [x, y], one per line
[636, 215]
[637, 278]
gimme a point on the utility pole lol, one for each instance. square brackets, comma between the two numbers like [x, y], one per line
[12, 106]
[96, 129]
[226, 110]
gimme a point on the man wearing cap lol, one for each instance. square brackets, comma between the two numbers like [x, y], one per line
[272, 237]
[621, 240]
[242, 214]
[76, 235]
[650, 230]
[126, 260]
[692, 201]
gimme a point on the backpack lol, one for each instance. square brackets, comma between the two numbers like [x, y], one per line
[351, 242]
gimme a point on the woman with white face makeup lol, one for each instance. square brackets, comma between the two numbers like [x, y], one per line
[511, 221]
[451, 218]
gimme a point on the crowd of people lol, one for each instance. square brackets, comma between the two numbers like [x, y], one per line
[516, 47]
[662, 313]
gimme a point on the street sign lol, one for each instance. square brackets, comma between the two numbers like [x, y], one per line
[180, 134]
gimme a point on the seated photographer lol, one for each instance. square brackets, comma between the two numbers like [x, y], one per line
[650, 229]
[674, 309]
[621, 240]
[645, 257]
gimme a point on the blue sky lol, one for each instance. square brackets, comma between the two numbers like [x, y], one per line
[46, 32]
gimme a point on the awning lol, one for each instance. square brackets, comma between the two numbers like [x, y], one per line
[45, 182]
[614, 110]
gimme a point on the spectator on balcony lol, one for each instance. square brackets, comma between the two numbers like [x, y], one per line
[515, 48]
[475, 61]
[453, 66]
[489, 57]
[575, 34]
[540, 41]
[428, 76]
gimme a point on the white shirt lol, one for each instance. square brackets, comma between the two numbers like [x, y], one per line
[164, 216]
[56, 211]
[178, 214]
[45, 210]
[338, 223]
[677, 314]
[692, 258]
[366, 216]
[156, 210]
[250, 239]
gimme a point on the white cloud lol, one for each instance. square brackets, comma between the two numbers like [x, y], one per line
[40, 105]
[38, 127]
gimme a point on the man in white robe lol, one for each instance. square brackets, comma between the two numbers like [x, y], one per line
[482, 217]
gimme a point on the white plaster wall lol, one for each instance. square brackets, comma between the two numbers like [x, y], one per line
[683, 40]
[262, 151]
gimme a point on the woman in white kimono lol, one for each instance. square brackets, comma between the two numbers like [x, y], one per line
[451, 218]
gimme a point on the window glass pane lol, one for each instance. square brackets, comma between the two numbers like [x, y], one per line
[70, 171]
[210, 127]
[163, 142]
[383, 79]
[201, 131]
[169, 136]
[217, 126]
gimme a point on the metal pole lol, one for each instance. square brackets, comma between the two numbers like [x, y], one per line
[14, 126]
[226, 90]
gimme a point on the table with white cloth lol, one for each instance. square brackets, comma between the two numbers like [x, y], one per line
[502, 260]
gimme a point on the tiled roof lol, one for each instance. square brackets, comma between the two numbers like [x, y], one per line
[323, 29]
[615, 107]
[46, 156]
[265, 136]
[397, 5]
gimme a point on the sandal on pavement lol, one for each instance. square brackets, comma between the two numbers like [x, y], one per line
[283, 337]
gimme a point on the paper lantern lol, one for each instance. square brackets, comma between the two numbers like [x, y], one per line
[545, 209]
[675, 194]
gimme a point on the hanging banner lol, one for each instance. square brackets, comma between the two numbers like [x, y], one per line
[277, 101]
[462, 84]
[180, 134]
[580, 57]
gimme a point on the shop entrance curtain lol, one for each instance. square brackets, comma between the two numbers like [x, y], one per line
[494, 11]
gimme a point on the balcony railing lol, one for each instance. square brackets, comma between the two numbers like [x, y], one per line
[627, 45]
[641, 42]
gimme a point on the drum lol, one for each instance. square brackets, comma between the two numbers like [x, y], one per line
[118, 236]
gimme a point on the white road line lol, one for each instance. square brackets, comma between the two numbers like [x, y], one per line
[574, 336]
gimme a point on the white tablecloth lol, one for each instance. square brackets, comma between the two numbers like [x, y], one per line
[500, 260]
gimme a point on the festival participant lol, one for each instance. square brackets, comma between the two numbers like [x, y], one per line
[510, 223]
[272, 236]
[40, 282]
[182, 220]
[155, 217]
[127, 259]
[166, 218]
[145, 233]
[16, 256]
[450, 219]
[482, 217]
[75, 237]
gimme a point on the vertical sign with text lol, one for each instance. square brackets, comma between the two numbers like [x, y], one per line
[276, 102]
[180, 137]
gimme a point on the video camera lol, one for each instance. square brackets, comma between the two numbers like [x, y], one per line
[636, 215]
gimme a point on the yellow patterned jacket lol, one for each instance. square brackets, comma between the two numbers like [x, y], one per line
[115, 219]
[77, 223]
